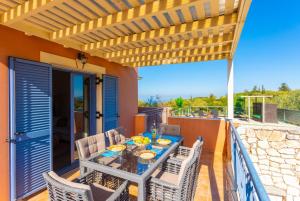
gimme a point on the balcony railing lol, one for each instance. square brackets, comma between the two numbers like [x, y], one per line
[246, 182]
[289, 116]
[200, 111]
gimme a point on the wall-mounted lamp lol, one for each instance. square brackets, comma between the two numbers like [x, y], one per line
[81, 58]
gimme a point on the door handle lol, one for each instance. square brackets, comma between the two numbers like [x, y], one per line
[19, 133]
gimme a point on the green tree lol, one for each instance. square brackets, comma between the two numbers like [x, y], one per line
[179, 102]
[263, 90]
[284, 87]
[254, 88]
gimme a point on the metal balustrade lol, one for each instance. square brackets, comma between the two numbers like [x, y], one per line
[200, 111]
[246, 181]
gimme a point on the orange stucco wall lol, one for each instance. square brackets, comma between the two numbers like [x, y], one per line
[140, 124]
[17, 44]
[213, 131]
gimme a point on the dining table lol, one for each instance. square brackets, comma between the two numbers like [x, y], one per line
[128, 164]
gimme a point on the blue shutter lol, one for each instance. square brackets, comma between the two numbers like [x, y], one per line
[110, 103]
[31, 150]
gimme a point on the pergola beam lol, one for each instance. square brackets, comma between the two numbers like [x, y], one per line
[179, 45]
[242, 14]
[27, 9]
[178, 54]
[192, 28]
[123, 17]
[179, 60]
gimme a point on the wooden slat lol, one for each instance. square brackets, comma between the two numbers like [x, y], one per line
[57, 11]
[50, 21]
[200, 10]
[180, 45]
[68, 8]
[178, 54]
[94, 8]
[9, 3]
[214, 7]
[210, 47]
[122, 17]
[242, 14]
[120, 4]
[187, 14]
[179, 60]
[229, 6]
[27, 9]
[104, 4]
[56, 18]
[3, 8]
[39, 22]
[82, 9]
[190, 27]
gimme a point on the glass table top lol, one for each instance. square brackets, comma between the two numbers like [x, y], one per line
[129, 160]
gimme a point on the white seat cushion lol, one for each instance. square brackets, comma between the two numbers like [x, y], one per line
[165, 176]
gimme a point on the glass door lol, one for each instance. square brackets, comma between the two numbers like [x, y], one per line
[81, 111]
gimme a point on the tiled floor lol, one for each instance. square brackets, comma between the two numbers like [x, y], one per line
[210, 181]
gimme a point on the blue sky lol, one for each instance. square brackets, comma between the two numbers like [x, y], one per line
[268, 54]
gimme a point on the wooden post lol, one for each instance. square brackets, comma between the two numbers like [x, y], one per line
[230, 89]
[249, 108]
[263, 110]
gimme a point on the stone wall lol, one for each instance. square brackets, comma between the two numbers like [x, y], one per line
[275, 152]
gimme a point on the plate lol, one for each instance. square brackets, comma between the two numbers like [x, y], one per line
[163, 141]
[116, 148]
[147, 154]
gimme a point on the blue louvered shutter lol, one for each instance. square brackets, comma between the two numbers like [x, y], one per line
[110, 103]
[32, 135]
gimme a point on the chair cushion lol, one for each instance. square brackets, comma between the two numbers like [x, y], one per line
[100, 192]
[90, 145]
[165, 176]
[115, 137]
[181, 157]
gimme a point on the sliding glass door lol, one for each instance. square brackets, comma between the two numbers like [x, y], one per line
[81, 99]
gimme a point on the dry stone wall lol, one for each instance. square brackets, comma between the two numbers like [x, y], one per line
[275, 152]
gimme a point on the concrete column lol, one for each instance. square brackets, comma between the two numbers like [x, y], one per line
[230, 89]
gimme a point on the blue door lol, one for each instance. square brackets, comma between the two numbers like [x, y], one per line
[110, 102]
[30, 125]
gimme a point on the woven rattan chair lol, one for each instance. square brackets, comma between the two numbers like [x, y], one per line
[89, 147]
[86, 188]
[170, 129]
[175, 180]
[116, 136]
[183, 152]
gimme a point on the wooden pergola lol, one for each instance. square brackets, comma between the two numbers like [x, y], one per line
[136, 33]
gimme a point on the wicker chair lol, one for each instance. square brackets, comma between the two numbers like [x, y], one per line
[170, 129]
[175, 180]
[116, 136]
[182, 152]
[87, 188]
[89, 147]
